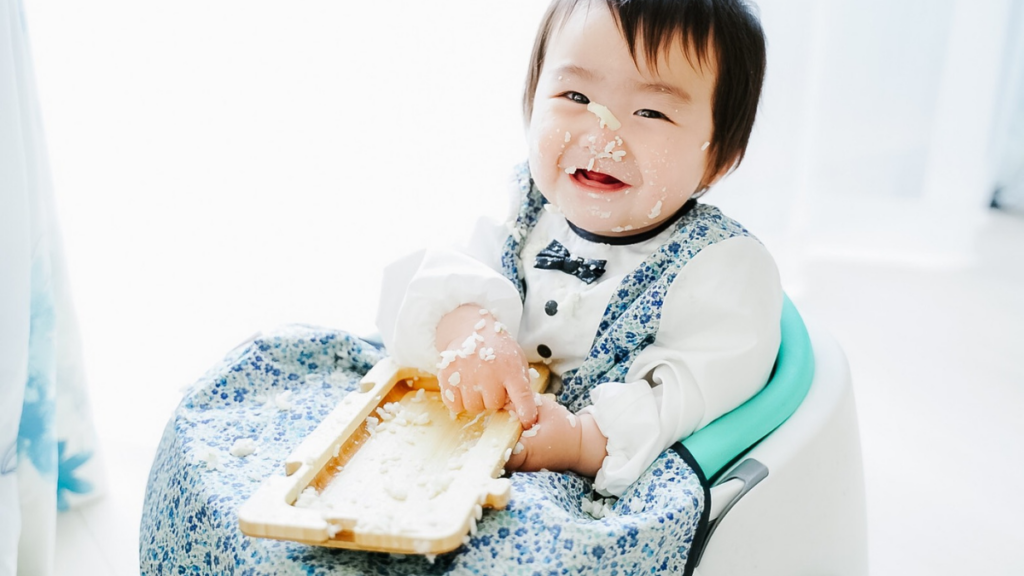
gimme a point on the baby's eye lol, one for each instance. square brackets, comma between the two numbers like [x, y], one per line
[654, 114]
[576, 97]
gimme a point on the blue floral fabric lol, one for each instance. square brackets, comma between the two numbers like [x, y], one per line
[189, 523]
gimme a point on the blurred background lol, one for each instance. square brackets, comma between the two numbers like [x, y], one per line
[225, 167]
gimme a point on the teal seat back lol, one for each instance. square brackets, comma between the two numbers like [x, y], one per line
[728, 437]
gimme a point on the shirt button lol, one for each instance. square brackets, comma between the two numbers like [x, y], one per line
[551, 308]
[544, 351]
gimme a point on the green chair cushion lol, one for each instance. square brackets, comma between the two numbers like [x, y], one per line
[728, 437]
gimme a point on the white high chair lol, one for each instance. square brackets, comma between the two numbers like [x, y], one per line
[807, 516]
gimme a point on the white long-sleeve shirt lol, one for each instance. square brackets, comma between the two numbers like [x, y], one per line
[715, 347]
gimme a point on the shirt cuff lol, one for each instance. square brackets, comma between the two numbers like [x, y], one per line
[628, 416]
[429, 285]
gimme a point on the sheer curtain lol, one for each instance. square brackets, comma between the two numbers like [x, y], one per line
[875, 134]
[46, 438]
[1009, 137]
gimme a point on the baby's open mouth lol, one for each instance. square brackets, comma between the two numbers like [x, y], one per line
[598, 181]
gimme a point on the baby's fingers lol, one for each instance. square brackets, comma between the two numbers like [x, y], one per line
[494, 398]
[451, 396]
[519, 392]
[472, 399]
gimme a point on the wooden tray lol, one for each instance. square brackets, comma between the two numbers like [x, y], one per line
[415, 483]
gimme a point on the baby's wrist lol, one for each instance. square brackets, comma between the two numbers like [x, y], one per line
[593, 447]
[456, 325]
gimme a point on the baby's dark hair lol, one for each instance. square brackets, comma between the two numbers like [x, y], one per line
[728, 28]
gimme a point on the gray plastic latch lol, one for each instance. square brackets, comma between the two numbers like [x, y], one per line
[750, 472]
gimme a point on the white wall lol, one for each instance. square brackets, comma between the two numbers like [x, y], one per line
[877, 116]
[225, 167]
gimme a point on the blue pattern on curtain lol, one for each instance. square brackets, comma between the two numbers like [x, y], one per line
[47, 439]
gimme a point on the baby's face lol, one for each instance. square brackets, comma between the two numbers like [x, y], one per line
[617, 148]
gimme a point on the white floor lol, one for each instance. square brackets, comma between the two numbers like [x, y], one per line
[935, 356]
[934, 351]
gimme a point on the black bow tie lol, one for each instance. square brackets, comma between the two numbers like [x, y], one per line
[556, 257]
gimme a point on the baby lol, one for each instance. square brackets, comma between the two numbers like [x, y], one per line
[655, 313]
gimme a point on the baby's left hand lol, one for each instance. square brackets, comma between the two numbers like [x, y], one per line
[560, 441]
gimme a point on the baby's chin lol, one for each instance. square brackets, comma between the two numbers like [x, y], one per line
[604, 223]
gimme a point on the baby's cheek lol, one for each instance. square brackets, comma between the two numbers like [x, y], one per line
[546, 148]
[548, 143]
[654, 168]
[656, 165]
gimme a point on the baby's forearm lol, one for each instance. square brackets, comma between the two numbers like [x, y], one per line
[593, 447]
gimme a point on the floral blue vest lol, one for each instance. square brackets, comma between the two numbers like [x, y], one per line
[632, 317]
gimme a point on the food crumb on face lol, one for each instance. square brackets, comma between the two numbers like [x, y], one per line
[568, 136]
[655, 211]
[604, 115]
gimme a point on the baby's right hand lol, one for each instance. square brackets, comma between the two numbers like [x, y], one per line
[482, 367]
